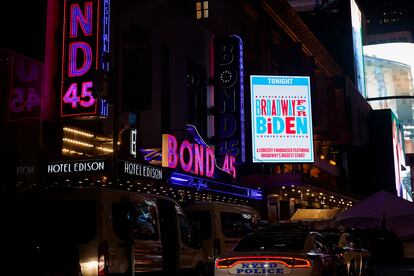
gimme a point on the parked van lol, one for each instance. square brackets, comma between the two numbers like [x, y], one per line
[95, 231]
[220, 225]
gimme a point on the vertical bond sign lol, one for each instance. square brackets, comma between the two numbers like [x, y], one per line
[229, 97]
[281, 119]
[85, 50]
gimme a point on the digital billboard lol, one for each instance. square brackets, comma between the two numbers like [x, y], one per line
[401, 171]
[281, 119]
[356, 19]
[389, 83]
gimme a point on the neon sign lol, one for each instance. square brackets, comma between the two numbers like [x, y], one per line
[83, 166]
[25, 86]
[200, 184]
[192, 157]
[229, 97]
[84, 55]
[133, 142]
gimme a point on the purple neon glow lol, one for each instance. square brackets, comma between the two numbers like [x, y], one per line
[87, 58]
[87, 94]
[106, 23]
[202, 184]
[198, 159]
[242, 130]
[151, 154]
[185, 145]
[172, 149]
[209, 160]
[179, 179]
[103, 107]
[196, 135]
[85, 21]
[71, 95]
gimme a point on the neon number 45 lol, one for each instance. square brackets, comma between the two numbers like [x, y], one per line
[85, 100]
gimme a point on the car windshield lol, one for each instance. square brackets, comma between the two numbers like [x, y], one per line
[272, 242]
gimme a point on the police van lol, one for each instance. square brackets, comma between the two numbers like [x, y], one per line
[96, 231]
[220, 225]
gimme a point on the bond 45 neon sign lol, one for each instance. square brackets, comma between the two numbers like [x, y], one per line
[84, 55]
[193, 158]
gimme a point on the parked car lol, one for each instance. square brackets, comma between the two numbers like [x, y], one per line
[379, 242]
[268, 253]
[220, 225]
[95, 231]
[356, 258]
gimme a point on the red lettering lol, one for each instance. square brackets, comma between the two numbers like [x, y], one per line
[263, 107]
[300, 102]
[290, 125]
[285, 107]
[273, 108]
[269, 126]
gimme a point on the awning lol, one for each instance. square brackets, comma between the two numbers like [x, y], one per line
[314, 214]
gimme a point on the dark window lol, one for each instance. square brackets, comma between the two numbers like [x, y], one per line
[136, 69]
[165, 88]
[332, 239]
[236, 225]
[201, 223]
[121, 220]
[75, 220]
[284, 210]
[186, 232]
[197, 96]
[44, 232]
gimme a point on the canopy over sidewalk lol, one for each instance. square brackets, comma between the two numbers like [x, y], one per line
[314, 214]
[381, 210]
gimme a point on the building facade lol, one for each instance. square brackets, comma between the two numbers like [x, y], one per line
[154, 97]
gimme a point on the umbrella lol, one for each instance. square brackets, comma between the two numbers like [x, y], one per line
[381, 210]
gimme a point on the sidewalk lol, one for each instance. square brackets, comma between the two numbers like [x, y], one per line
[405, 267]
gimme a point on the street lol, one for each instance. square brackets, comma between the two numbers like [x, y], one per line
[404, 268]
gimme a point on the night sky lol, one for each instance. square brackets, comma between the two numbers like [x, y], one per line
[22, 27]
[22, 23]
